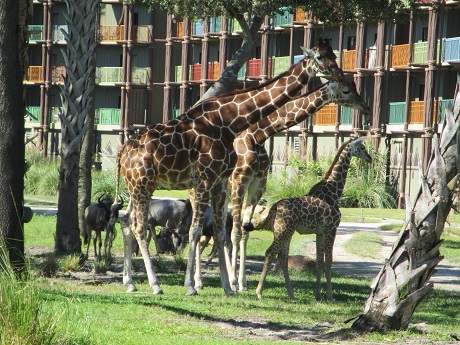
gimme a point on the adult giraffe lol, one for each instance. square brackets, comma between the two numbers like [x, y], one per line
[251, 169]
[195, 151]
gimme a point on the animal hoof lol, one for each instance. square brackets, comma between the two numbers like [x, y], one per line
[131, 288]
[243, 289]
[157, 290]
[191, 292]
[199, 287]
[230, 293]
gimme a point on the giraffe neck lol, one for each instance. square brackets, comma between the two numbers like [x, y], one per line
[330, 188]
[238, 111]
[289, 115]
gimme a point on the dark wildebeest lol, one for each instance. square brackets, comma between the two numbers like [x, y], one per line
[101, 217]
[174, 216]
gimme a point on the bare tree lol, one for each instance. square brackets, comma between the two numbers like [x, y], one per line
[403, 281]
[77, 105]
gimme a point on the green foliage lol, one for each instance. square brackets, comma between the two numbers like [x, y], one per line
[71, 263]
[102, 263]
[43, 174]
[49, 266]
[333, 11]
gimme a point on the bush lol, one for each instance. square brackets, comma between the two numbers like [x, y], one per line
[367, 185]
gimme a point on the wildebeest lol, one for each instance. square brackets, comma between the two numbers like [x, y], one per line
[101, 217]
[175, 217]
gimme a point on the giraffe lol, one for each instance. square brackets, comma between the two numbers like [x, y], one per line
[251, 169]
[316, 212]
[195, 152]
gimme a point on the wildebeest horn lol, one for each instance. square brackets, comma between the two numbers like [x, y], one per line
[122, 201]
[99, 200]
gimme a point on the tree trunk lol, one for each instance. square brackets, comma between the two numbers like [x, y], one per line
[12, 113]
[226, 80]
[85, 183]
[403, 282]
[77, 104]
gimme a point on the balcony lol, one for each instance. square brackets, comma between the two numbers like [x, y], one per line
[108, 75]
[420, 52]
[34, 74]
[280, 64]
[397, 111]
[197, 28]
[141, 33]
[326, 116]
[58, 35]
[33, 114]
[234, 26]
[254, 68]
[280, 19]
[178, 74]
[107, 116]
[35, 33]
[58, 74]
[399, 55]
[179, 29]
[140, 75]
[195, 72]
[215, 24]
[300, 15]
[349, 59]
[346, 115]
[110, 33]
[452, 49]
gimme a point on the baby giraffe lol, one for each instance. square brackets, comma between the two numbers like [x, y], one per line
[314, 213]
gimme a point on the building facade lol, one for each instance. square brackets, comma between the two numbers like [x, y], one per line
[152, 66]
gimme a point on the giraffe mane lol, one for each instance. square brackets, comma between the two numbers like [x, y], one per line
[331, 167]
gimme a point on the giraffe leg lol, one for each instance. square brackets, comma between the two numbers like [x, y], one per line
[127, 245]
[219, 218]
[140, 209]
[328, 251]
[270, 253]
[198, 273]
[283, 261]
[239, 188]
[255, 191]
[195, 231]
[319, 264]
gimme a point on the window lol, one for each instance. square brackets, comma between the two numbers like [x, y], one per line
[421, 92]
[351, 43]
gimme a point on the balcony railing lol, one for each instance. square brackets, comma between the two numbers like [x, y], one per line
[254, 68]
[33, 113]
[349, 59]
[280, 64]
[141, 33]
[345, 117]
[110, 33]
[326, 116]
[57, 32]
[300, 15]
[35, 33]
[197, 27]
[140, 75]
[58, 74]
[397, 111]
[399, 55]
[108, 75]
[178, 74]
[452, 49]
[215, 24]
[179, 29]
[34, 74]
[234, 26]
[420, 52]
[282, 18]
[107, 116]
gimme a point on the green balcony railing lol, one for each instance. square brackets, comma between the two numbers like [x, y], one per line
[215, 24]
[108, 116]
[178, 74]
[346, 116]
[33, 114]
[140, 75]
[442, 107]
[35, 33]
[282, 18]
[108, 75]
[280, 64]
[420, 52]
[397, 112]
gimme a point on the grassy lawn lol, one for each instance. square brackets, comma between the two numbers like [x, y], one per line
[97, 310]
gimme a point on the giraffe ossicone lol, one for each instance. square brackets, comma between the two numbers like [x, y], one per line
[195, 151]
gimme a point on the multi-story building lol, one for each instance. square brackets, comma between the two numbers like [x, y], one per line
[150, 69]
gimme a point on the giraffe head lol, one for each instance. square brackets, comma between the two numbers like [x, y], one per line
[358, 150]
[324, 61]
[345, 93]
